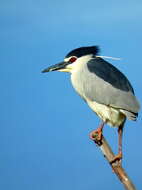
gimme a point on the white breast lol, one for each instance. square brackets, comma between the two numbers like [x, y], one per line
[109, 115]
[78, 71]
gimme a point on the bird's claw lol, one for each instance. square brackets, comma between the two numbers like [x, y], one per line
[118, 158]
[96, 135]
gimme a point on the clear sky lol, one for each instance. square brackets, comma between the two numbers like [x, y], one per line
[44, 124]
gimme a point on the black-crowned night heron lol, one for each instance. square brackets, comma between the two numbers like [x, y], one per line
[103, 87]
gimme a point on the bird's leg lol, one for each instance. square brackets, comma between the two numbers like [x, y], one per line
[98, 132]
[118, 157]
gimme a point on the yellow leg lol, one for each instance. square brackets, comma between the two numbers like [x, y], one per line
[118, 157]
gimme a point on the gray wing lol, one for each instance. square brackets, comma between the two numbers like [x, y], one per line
[111, 86]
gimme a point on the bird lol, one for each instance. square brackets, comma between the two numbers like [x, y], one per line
[105, 89]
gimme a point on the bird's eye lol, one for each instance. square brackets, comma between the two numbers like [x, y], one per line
[72, 59]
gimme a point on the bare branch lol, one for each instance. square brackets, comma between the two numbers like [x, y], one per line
[116, 166]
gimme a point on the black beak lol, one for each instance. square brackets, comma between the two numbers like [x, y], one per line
[56, 67]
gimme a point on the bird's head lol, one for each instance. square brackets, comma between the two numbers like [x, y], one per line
[71, 60]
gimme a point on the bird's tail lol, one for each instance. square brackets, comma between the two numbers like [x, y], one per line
[130, 115]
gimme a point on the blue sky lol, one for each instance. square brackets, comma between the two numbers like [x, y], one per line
[44, 124]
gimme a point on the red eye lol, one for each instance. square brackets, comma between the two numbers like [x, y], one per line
[73, 59]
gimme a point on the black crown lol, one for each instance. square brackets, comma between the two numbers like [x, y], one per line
[78, 52]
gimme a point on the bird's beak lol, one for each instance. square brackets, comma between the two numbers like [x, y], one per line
[56, 67]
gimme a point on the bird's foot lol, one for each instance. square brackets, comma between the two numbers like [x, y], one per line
[96, 135]
[118, 158]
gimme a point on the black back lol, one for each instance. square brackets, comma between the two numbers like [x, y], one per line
[110, 74]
